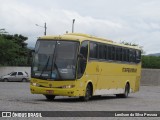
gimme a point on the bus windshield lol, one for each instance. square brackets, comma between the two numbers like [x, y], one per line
[55, 60]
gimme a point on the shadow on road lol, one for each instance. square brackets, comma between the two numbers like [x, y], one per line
[76, 99]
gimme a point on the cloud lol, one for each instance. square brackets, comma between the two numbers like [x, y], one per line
[131, 21]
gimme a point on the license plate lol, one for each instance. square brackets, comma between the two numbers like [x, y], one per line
[49, 91]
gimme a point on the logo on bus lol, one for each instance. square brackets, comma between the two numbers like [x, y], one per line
[129, 70]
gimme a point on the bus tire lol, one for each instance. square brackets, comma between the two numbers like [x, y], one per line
[126, 92]
[50, 97]
[88, 93]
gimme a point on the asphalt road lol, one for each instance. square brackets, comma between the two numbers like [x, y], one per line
[16, 96]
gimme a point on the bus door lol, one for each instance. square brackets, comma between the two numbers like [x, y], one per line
[92, 69]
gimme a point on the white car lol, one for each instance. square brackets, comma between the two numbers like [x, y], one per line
[16, 76]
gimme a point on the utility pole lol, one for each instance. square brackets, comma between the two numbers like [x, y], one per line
[73, 25]
[45, 28]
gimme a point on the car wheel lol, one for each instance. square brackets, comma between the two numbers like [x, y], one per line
[24, 80]
[5, 80]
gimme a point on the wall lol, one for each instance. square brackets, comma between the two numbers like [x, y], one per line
[150, 77]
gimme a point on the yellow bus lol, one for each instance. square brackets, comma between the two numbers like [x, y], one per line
[83, 66]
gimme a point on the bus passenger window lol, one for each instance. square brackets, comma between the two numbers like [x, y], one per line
[113, 53]
[127, 55]
[117, 53]
[134, 56]
[106, 51]
[138, 56]
[110, 52]
[124, 54]
[93, 50]
[131, 57]
[120, 54]
[102, 51]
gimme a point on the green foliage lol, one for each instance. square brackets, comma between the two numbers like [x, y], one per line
[133, 44]
[130, 44]
[151, 62]
[14, 51]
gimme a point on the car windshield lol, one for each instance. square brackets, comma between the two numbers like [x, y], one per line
[55, 60]
[10, 73]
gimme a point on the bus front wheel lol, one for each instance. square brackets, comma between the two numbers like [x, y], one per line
[88, 93]
[50, 97]
[126, 92]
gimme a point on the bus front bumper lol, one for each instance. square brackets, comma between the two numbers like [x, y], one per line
[54, 91]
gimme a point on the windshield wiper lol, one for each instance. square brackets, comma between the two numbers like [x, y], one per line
[46, 65]
[59, 74]
[54, 65]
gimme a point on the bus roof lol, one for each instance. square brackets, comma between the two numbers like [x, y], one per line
[81, 37]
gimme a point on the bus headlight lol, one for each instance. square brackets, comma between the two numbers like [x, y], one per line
[35, 84]
[68, 86]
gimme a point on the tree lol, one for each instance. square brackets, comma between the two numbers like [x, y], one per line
[147, 61]
[133, 44]
[8, 51]
[151, 62]
[14, 50]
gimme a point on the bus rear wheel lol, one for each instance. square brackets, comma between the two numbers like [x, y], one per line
[88, 93]
[50, 97]
[126, 92]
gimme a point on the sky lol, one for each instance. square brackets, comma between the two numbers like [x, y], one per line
[133, 21]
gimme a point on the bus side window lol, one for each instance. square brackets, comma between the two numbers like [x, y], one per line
[134, 56]
[130, 55]
[93, 50]
[113, 53]
[138, 56]
[123, 54]
[102, 51]
[106, 52]
[127, 55]
[110, 52]
[82, 59]
[118, 54]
